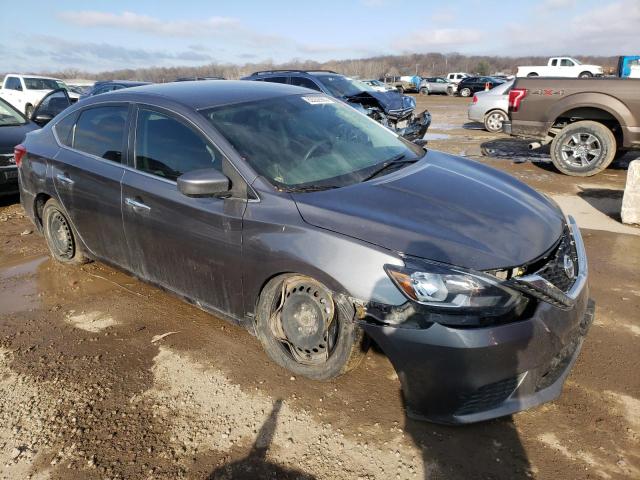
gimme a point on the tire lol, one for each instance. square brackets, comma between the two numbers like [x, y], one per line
[450, 91]
[585, 75]
[400, 90]
[465, 92]
[424, 91]
[349, 344]
[494, 120]
[28, 111]
[583, 149]
[532, 74]
[60, 235]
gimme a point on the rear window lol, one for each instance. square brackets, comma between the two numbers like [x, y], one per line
[42, 83]
[100, 132]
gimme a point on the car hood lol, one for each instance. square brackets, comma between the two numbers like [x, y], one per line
[442, 208]
[10, 136]
[391, 100]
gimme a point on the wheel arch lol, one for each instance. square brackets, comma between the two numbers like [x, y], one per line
[38, 206]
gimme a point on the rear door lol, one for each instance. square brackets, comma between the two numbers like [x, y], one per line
[191, 246]
[87, 172]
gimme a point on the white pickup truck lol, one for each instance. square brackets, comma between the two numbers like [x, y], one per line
[561, 67]
[24, 92]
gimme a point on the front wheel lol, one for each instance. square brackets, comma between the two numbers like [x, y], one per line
[304, 328]
[28, 111]
[494, 120]
[585, 75]
[424, 91]
[60, 235]
[584, 148]
[465, 92]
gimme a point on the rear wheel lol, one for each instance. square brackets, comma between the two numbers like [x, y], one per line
[424, 91]
[494, 120]
[465, 92]
[532, 74]
[400, 89]
[304, 328]
[584, 148]
[60, 236]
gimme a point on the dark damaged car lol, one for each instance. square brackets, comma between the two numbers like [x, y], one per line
[288, 212]
[392, 109]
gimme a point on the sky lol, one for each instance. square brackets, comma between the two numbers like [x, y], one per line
[104, 35]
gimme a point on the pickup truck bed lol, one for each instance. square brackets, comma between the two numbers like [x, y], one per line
[599, 116]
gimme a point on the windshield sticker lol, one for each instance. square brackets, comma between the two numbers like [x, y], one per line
[318, 100]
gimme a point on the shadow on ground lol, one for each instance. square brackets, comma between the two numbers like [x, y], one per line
[606, 200]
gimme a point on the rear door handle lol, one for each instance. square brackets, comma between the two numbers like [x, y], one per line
[137, 205]
[63, 178]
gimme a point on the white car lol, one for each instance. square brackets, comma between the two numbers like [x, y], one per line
[457, 77]
[24, 92]
[490, 107]
[378, 86]
[561, 67]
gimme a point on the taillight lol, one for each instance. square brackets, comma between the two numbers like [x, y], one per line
[18, 153]
[475, 99]
[515, 97]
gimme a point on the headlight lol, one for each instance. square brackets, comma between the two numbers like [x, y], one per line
[448, 291]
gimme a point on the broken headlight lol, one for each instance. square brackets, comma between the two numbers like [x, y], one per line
[456, 296]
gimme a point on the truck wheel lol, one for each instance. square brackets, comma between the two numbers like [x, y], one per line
[304, 328]
[465, 92]
[28, 111]
[60, 235]
[493, 121]
[584, 148]
[585, 75]
[424, 91]
[532, 74]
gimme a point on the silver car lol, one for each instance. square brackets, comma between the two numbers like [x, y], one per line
[490, 107]
[431, 85]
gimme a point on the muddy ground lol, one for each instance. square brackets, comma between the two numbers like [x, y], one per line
[102, 376]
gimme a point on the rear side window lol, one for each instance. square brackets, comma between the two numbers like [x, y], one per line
[304, 82]
[168, 148]
[276, 79]
[13, 83]
[64, 129]
[100, 132]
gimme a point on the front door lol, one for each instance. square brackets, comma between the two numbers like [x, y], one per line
[87, 172]
[191, 246]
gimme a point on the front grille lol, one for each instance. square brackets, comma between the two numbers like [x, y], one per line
[6, 160]
[554, 270]
[487, 396]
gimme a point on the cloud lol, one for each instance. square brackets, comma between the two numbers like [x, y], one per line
[439, 39]
[443, 15]
[556, 4]
[376, 3]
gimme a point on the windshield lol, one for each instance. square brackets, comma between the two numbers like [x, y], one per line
[43, 84]
[311, 140]
[9, 116]
[340, 86]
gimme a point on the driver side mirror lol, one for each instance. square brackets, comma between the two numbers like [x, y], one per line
[206, 182]
[42, 119]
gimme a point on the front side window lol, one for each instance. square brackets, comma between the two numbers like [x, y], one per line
[100, 132]
[300, 141]
[304, 82]
[40, 83]
[565, 62]
[9, 116]
[168, 148]
[54, 103]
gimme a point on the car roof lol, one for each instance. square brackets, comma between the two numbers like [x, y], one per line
[199, 95]
[121, 82]
[30, 76]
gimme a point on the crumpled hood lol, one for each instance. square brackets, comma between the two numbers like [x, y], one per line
[442, 208]
[391, 100]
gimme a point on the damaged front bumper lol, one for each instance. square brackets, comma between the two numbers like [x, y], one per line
[415, 127]
[459, 375]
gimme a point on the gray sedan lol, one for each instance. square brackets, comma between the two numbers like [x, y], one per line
[490, 107]
[431, 85]
[290, 213]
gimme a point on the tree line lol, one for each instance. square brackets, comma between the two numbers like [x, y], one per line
[428, 64]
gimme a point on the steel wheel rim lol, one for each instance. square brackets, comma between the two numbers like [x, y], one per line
[465, 92]
[60, 236]
[581, 150]
[495, 121]
[310, 355]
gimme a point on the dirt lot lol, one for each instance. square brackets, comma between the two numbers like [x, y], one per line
[92, 387]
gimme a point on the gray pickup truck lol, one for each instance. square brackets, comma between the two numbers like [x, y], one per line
[588, 122]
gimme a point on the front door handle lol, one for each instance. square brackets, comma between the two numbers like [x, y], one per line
[137, 205]
[63, 178]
